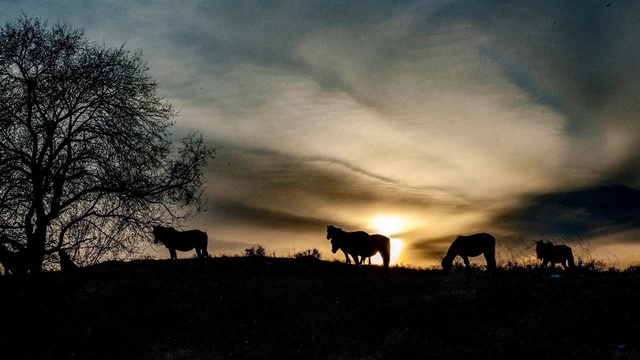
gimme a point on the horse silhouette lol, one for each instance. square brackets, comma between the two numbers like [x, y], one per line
[174, 240]
[13, 262]
[359, 244]
[471, 246]
[66, 264]
[554, 254]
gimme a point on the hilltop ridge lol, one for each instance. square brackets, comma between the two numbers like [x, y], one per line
[256, 308]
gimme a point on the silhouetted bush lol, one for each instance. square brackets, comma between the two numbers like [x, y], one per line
[592, 265]
[309, 254]
[255, 251]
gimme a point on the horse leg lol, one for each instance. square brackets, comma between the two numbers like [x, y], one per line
[173, 254]
[491, 261]
[466, 262]
[356, 260]
[347, 260]
[204, 253]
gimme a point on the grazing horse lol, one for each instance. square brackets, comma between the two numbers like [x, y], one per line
[13, 262]
[554, 254]
[181, 240]
[472, 245]
[359, 243]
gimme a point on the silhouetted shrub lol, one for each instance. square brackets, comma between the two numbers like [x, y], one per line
[592, 265]
[255, 251]
[309, 254]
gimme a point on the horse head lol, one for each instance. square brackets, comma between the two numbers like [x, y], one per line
[447, 265]
[542, 248]
[331, 231]
[159, 232]
[335, 245]
[333, 235]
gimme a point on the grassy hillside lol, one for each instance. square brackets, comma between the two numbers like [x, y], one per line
[262, 308]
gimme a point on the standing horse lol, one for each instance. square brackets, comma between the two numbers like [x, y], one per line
[181, 240]
[359, 243]
[471, 246]
[554, 254]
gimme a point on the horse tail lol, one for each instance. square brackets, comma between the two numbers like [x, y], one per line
[386, 253]
[570, 261]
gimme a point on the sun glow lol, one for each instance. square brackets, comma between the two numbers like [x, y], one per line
[388, 225]
[396, 250]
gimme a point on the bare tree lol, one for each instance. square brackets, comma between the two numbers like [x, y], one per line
[86, 159]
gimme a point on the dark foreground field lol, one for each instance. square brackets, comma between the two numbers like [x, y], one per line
[268, 308]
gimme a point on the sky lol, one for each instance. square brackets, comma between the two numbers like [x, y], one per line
[421, 120]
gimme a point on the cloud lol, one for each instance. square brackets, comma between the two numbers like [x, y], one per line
[588, 213]
[277, 180]
[578, 59]
[273, 219]
[432, 249]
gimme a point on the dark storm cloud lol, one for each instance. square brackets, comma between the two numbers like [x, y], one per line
[586, 213]
[627, 170]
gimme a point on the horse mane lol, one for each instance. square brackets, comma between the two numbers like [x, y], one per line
[541, 249]
[162, 231]
[544, 249]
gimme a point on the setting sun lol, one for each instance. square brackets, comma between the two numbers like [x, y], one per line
[396, 250]
[388, 225]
